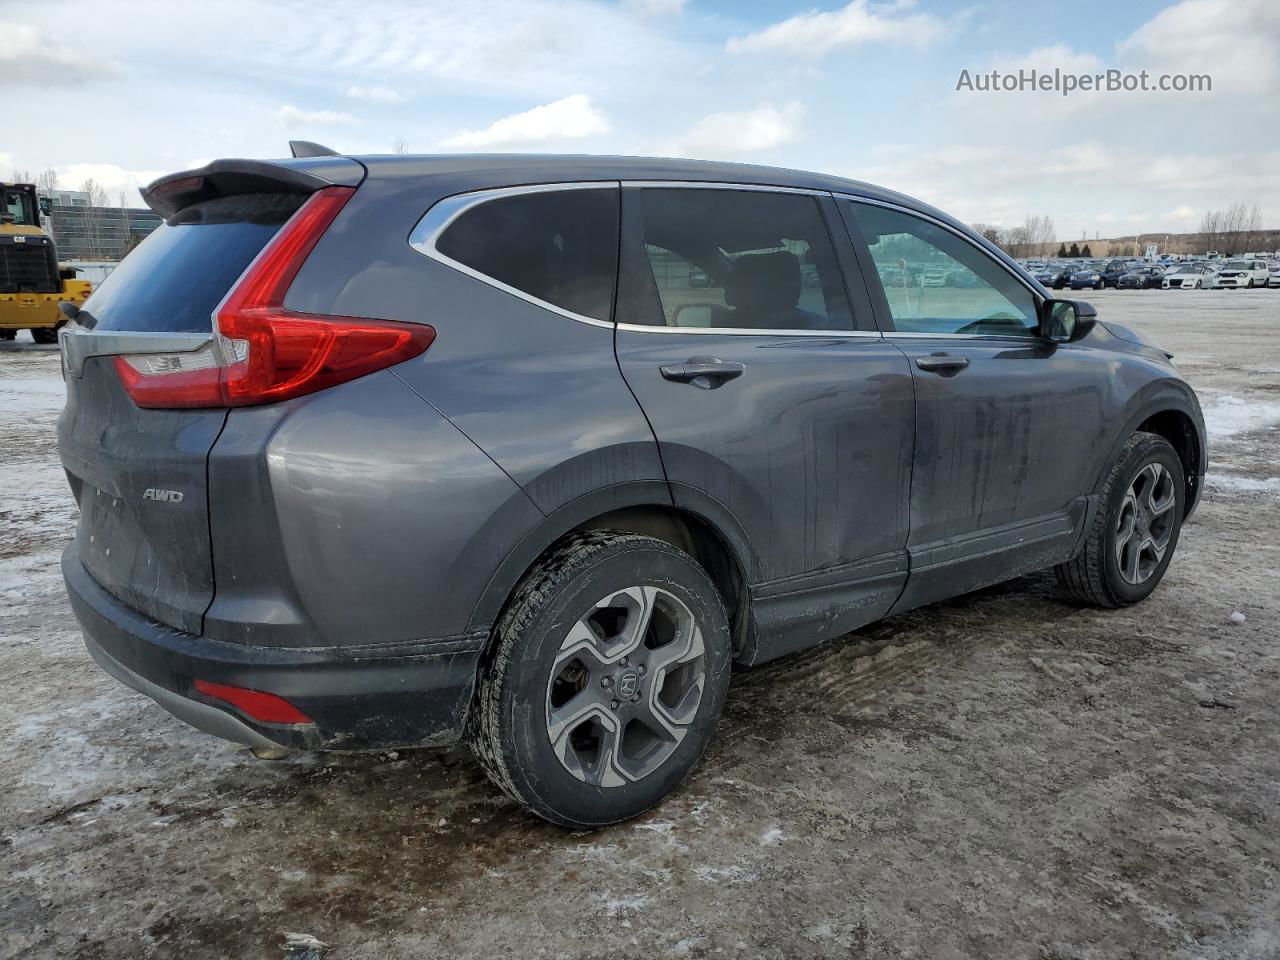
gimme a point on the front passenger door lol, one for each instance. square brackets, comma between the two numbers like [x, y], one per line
[1007, 423]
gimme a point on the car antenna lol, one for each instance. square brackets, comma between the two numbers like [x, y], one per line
[305, 148]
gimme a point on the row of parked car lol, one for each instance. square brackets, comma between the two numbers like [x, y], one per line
[1136, 274]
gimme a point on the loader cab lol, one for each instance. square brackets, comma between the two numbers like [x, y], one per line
[19, 207]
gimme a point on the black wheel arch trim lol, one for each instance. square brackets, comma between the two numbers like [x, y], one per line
[1162, 396]
[635, 493]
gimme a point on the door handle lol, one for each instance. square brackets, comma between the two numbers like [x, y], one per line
[704, 372]
[942, 362]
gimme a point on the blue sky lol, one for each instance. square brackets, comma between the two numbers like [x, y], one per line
[863, 89]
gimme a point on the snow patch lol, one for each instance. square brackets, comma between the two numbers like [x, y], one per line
[1228, 481]
[1227, 415]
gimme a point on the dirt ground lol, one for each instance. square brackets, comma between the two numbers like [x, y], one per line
[1004, 775]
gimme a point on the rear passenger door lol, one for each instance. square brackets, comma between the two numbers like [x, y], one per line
[1008, 425]
[777, 407]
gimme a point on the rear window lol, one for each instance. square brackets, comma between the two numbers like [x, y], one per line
[558, 246]
[177, 276]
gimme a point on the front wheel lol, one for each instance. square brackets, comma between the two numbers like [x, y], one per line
[1134, 532]
[605, 680]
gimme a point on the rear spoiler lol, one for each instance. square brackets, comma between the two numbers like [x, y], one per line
[228, 178]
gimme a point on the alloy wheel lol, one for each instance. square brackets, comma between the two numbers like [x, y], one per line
[625, 686]
[1144, 525]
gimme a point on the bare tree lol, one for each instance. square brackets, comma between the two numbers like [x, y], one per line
[399, 146]
[1039, 233]
[96, 198]
[988, 230]
[21, 176]
[47, 181]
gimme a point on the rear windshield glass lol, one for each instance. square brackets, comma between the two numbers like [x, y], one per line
[177, 276]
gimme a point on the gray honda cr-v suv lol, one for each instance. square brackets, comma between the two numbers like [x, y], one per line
[376, 451]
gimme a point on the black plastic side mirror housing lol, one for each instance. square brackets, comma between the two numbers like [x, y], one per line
[1065, 321]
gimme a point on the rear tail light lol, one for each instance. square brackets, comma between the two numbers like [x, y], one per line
[263, 707]
[263, 352]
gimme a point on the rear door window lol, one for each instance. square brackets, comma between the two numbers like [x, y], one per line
[738, 259]
[176, 278]
[556, 246]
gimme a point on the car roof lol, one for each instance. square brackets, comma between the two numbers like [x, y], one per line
[460, 172]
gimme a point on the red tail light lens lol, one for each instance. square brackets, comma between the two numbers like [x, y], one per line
[263, 707]
[277, 353]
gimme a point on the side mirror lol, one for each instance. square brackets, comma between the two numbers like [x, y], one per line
[1065, 321]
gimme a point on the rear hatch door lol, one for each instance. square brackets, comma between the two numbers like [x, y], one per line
[140, 475]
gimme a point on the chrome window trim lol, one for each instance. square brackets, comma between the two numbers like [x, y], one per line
[441, 215]
[1036, 295]
[749, 332]
[723, 185]
[739, 331]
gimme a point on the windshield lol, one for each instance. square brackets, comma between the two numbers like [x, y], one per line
[18, 206]
[1238, 265]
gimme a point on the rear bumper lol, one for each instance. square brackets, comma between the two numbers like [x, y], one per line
[411, 694]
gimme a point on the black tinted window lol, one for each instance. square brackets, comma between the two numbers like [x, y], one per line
[178, 275]
[745, 259]
[560, 246]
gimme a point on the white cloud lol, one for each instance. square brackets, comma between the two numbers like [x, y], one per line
[820, 32]
[733, 134]
[375, 94]
[1237, 42]
[29, 57]
[657, 8]
[292, 117]
[569, 118]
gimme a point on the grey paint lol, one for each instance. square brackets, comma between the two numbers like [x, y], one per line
[359, 498]
[392, 516]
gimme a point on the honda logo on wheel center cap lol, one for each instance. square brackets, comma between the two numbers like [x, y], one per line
[628, 684]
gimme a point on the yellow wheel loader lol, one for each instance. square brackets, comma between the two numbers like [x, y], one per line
[31, 282]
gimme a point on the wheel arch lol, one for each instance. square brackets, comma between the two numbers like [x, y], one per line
[1168, 409]
[720, 545]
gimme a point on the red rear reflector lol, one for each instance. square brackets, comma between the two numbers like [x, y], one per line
[280, 353]
[263, 707]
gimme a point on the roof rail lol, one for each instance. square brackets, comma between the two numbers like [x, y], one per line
[305, 148]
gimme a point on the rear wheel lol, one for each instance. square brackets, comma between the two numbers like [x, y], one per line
[8, 334]
[45, 334]
[607, 676]
[1135, 531]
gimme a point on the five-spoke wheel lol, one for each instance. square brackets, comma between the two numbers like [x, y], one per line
[610, 668]
[625, 685]
[1144, 525]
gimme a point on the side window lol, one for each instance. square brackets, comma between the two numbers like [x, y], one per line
[738, 259]
[560, 246]
[936, 282]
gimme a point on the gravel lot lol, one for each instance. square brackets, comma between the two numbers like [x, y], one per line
[1004, 775]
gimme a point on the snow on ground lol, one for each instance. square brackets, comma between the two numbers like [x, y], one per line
[1226, 415]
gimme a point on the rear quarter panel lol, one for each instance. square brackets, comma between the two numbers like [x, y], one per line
[355, 516]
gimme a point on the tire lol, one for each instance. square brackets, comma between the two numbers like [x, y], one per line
[8, 334]
[45, 334]
[591, 586]
[1106, 573]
